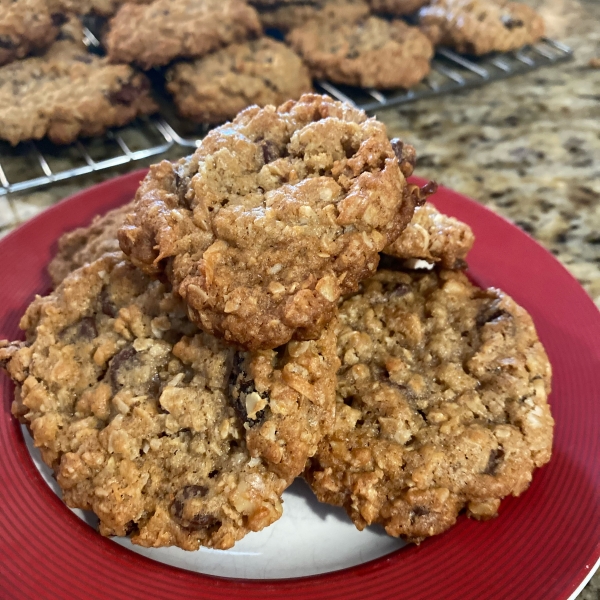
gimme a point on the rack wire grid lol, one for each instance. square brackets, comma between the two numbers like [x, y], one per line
[46, 163]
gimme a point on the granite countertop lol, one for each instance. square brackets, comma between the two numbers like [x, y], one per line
[527, 147]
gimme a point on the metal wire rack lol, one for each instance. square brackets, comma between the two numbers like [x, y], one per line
[34, 164]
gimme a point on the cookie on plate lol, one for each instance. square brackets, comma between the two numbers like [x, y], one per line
[84, 245]
[368, 52]
[153, 35]
[27, 26]
[168, 435]
[216, 87]
[442, 404]
[68, 93]
[434, 237]
[480, 26]
[288, 15]
[272, 219]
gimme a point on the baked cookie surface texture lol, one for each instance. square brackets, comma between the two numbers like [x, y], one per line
[442, 404]
[272, 219]
[168, 435]
[153, 35]
[68, 93]
[368, 52]
[216, 87]
[480, 26]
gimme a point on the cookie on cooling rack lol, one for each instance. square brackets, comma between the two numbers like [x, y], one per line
[168, 435]
[442, 404]
[272, 219]
[288, 15]
[480, 26]
[68, 93]
[27, 26]
[153, 35]
[216, 87]
[368, 52]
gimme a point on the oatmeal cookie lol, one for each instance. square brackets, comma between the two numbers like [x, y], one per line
[27, 26]
[84, 245]
[168, 435]
[216, 87]
[369, 52]
[288, 15]
[442, 404]
[397, 8]
[153, 35]
[480, 26]
[434, 237]
[68, 93]
[272, 219]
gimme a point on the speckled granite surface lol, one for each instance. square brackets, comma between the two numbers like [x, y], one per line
[527, 147]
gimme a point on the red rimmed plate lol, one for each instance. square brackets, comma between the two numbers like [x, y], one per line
[542, 545]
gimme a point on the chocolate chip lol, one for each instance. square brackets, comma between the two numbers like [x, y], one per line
[87, 328]
[198, 521]
[510, 23]
[194, 491]
[400, 290]
[58, 19]
[240, 385]
[270, 151]
[420, 511]
[459, 265]
[155, 386]
[108, 308]
[83, 58]
[116, 363]
[429, 188]
[126, 95]
[406, 155]
[490, 313]
[7, 43]
[494, 461]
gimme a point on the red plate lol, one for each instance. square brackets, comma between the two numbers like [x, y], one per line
[541, 547]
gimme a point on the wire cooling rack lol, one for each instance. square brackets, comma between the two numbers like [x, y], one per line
[34, 164]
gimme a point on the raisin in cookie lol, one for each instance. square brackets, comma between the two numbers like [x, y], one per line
[369, 52]
[165, 433]
[442, 404]
[272, 219]
[68, 93]
[27, 26]
[216, 87]
[288, 15]
[434, 237]
[481, 26]
[84, 245]
[153, 35]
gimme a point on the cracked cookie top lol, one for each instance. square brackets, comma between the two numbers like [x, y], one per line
[168, 435]
[272, 219]
[442, 404]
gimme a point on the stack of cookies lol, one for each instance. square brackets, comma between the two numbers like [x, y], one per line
[214, 60]
[255, 315]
